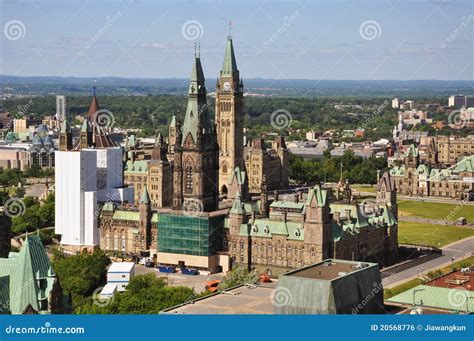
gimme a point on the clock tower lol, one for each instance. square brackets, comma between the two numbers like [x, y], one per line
[229, 118]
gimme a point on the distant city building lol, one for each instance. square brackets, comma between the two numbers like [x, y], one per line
[395, 103]
[414, 178]
[459, 101]
[451, 148]
[60, 107]
[20, 125]
[312, 135]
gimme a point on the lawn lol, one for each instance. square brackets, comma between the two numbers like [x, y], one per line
[362, 188]
[434, 210]
[429, 234]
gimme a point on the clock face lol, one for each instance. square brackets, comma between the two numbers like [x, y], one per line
[226, 86]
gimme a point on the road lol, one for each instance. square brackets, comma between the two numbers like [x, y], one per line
[197, 282]
[459, 250]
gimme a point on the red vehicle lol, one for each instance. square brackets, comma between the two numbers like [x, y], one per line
[265, 278]
[211, 286]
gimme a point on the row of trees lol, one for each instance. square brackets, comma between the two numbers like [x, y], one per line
[36, 215]
[328, 169]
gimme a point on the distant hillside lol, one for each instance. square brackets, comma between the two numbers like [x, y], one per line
[12, 85]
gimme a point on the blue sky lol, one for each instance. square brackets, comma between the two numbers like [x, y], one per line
[429, 39]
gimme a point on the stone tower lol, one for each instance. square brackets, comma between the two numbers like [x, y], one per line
[65, 136]
[196, 152]
[144, 218]
[229, 117]
[159, 178]
[317, 225]
[387, 193]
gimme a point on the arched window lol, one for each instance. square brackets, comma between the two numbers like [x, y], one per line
[189, 179]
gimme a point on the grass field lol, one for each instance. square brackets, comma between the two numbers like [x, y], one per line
[361, 188]
[429, 234]
[432, 210]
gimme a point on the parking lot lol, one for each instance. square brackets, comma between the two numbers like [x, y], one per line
[196, 282]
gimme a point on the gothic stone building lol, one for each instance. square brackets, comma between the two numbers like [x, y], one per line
[298, 233]
[414, 178]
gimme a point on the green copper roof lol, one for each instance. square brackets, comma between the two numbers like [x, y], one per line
[436, 297]
[267, 228]
[239, 175]
[412, 150]
[287, 204]
[25, 270]
[466, 165]
[320, 195]
[145, 199]
[397, 171]
[423, 170]
[197, 111]
[138, 166]
[229, 67]
[237, 207]
[126, 215]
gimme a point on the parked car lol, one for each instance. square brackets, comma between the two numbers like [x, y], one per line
[167, 269]
[188, 271]
[150, 264]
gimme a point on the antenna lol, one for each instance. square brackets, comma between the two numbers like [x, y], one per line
[230, 28]
[94, 86]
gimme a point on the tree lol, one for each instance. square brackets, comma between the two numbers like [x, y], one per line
[238, 276]
[81, 274]
[145, 294]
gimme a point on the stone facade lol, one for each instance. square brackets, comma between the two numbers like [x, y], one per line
[296, 233]
[229, 118]
[271, 163]
[128, 229]
[414, 178]
[451, 148]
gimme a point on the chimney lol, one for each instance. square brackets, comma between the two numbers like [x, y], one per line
[337, 217]
[348, 213]
[296, 198]
[275, 195]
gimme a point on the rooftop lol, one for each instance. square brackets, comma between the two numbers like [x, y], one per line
[245, 299]
[121, 267]
[329, 270]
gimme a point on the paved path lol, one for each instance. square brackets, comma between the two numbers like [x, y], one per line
[460, 250]
[431, 221]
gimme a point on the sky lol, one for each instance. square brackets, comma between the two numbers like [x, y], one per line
[379, 39]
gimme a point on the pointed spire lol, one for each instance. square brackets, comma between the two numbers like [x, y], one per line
[94, 107]
[145, 199]
[229, 67]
